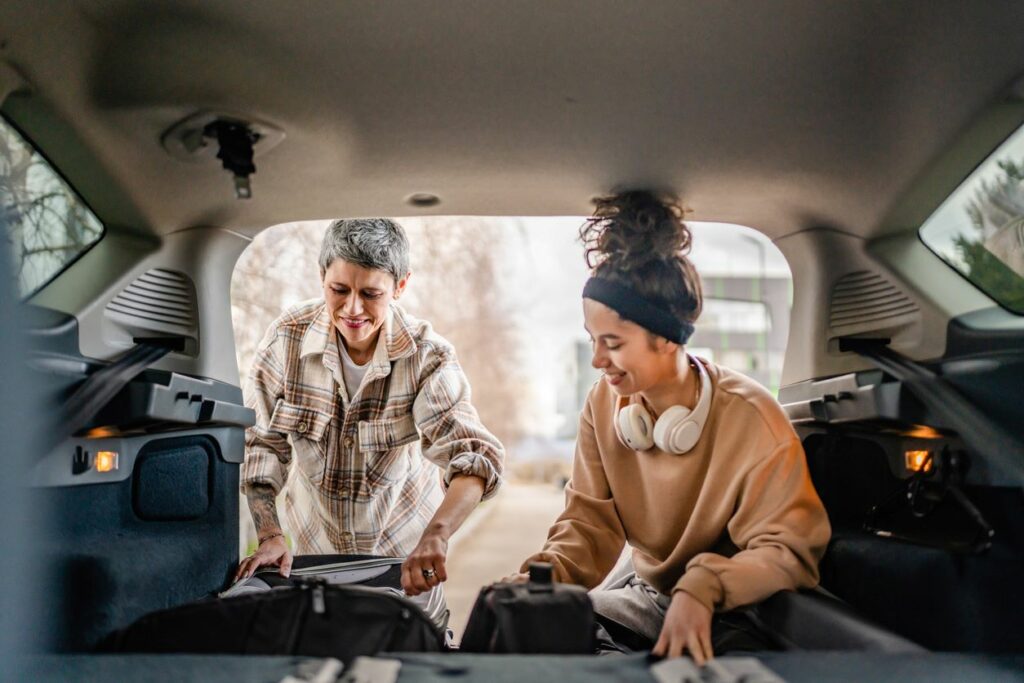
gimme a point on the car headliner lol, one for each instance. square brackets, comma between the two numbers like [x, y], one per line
[778, 115]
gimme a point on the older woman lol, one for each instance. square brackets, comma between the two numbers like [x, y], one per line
[350, 387]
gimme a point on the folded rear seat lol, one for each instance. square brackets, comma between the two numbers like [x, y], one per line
[817, 620]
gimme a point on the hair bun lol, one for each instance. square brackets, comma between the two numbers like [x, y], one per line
[632, 229]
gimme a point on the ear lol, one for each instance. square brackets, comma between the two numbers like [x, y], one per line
[400, 285]
[669, 348]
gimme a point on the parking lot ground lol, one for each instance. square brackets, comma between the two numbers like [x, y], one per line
[495, 540]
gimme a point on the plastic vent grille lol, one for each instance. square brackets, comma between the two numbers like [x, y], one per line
[865, 301]
[161, 300]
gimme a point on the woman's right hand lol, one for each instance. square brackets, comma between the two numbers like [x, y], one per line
[273, 551]
[517, 577]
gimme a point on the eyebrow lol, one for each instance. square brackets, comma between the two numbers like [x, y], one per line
[610, 335]
[348, 286]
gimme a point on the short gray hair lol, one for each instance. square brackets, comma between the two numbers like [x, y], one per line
[369, 242]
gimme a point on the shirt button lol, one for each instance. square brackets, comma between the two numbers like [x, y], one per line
[302, 427]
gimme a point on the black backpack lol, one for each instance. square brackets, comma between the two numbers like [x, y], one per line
[537, 617]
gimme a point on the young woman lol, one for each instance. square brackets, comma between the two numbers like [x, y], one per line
[349, 387]
[695, 466]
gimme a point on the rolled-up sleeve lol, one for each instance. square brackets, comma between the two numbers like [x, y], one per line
[454, 438]
[267, 452]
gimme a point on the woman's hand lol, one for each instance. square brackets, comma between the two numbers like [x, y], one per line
[687, 627]
[516, 577]
[273, 551]
[425, 568]
[464, 492]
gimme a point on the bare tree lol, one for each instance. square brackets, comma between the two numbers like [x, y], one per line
[997, 213]
[46, 224]
[461, 285]
[278, 269]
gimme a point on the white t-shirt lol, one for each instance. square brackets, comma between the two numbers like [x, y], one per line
[352, 374]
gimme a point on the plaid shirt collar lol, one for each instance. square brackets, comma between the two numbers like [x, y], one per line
[398, 342]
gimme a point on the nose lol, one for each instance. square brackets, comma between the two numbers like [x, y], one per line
[600, 359]
[353, 305]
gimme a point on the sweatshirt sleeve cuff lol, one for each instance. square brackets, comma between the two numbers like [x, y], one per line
[703, 584]
[557, 575]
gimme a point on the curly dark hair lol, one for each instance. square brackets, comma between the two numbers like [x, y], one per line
[638, 238]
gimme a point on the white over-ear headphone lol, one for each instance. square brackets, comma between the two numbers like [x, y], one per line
[676, 431]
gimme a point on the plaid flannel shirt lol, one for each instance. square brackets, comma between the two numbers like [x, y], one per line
[357, 481]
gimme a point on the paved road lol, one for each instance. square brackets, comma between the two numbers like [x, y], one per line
[501, 533]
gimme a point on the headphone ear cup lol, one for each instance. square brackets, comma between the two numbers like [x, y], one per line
[682, 438]
[635, 427]
[668, 425]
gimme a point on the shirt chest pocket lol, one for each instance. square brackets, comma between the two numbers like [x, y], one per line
[308, 431]
[383, 443]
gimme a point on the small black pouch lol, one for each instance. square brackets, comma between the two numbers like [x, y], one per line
[537, 617]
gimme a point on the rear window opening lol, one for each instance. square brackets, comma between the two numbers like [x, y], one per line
[47, 225]
[979, 229]
[506, 292]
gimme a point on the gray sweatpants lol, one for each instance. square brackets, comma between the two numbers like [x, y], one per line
[632, 603]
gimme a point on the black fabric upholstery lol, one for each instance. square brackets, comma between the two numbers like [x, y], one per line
[106, 566]
[939, 599]
[172, 480]
[851, 475]
[813, 620]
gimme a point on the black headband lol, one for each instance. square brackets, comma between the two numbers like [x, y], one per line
[633, 306]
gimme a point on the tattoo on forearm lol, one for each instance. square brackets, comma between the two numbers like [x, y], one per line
[263, 509]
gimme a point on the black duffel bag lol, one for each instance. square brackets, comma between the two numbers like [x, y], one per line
[536, 617]
[313, 618]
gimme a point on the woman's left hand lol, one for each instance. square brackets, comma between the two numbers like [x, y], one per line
[687, 627]
[425, 568]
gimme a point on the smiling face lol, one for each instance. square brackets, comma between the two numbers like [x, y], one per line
[624, 353]
[358, 300]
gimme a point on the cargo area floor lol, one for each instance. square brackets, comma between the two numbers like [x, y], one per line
[802, 667]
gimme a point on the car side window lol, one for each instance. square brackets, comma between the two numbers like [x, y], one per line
[979, 229]
[46, 224]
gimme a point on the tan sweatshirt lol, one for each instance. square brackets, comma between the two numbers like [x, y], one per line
[744, 486]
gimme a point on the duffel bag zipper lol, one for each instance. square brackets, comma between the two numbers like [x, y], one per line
[316, 601]
[316, 587]
[319, 605]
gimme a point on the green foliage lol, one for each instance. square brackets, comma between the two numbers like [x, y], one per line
[991, 275]
[996, 212]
